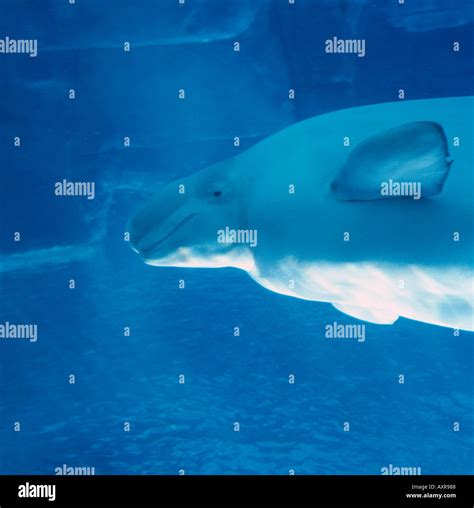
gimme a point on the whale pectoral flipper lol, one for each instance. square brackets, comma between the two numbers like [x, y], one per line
[410, 157]
[372, 315]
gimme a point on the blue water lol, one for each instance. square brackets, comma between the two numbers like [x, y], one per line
[189, 331]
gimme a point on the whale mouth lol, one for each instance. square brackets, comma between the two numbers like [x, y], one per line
[178, 226]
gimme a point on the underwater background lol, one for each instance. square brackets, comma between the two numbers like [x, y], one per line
[134, 377]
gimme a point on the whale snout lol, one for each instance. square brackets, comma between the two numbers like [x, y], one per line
[181, 224]
[158, 228]
[134, 239]
[139, 228]
[145, 227]
[145, 241]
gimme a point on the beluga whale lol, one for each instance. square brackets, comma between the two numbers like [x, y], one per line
[368, 208]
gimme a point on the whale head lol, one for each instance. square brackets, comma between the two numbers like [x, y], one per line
[180, 224]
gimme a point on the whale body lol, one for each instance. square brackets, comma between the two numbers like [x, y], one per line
[369, 209]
